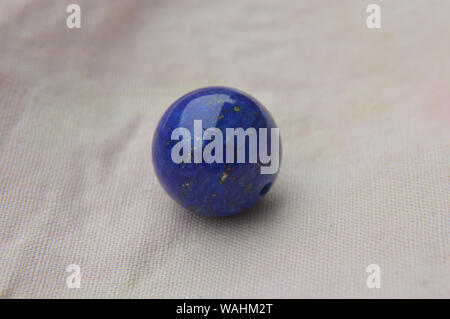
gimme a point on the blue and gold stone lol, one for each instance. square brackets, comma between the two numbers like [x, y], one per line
[213, 189]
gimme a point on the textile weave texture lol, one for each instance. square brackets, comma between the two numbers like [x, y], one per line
[364, 116]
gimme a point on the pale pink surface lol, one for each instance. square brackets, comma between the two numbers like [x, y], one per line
[364, 117]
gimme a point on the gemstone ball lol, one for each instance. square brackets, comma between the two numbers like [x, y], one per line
[231, 179]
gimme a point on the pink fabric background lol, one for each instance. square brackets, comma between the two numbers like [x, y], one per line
[364, 117]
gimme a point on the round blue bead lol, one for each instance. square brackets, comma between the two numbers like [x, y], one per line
[213, 189]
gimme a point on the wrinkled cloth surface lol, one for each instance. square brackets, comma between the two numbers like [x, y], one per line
[364, 116]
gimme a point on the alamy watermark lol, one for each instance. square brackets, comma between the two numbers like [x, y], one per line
[214, 150]
[373, 21]
[374, 279]
[73, 20]
[74, 279]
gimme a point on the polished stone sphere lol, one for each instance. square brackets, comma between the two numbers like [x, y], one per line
[227, 185]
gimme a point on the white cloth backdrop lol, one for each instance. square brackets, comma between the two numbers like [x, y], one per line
[365, 122]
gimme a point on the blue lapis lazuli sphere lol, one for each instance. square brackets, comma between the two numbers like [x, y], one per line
[218, 188]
